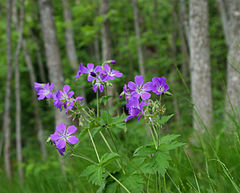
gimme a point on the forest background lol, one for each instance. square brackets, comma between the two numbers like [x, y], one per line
[193, 43]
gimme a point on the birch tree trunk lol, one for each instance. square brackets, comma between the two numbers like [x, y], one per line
[106, 42]
[200, 64]
[138, 37]
[53, 56]
[69, 37]
[233, 67]
[52, 50]
[38, 120]
[18, 91]
[70, 45]
[6, 116]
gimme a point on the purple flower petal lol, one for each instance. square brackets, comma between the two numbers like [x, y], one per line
[55, 136]
[139, 80]
[61, 128]
[61, 143]
[90, 66]
[61, 151]
[132, 85]
[101, 88]
[71, 129]
[145, 95]
[72, 139]
[90, 78]
[66, 88]
[79, 98]
[70, 94]
[148, 86]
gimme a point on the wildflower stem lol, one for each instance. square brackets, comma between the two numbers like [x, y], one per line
[97, 105]
[104, 139]
[85, 158]
[154, 141]
[124, 187]
[94, 146]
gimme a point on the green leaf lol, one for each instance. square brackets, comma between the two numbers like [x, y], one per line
[133, 182]
[164, 119]
[168, 138]
[95, 174]
[108, 157]
[145, 150]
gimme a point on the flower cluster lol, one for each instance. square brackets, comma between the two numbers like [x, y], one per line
[137, 94]
[61, 99]
[98, 75]
[62, 136]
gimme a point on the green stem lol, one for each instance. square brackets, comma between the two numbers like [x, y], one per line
[124, 187]
[85, 158]
[97, 105]
[94, 146]
[154, 141]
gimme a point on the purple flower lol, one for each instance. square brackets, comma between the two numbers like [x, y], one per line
[45, 92]
[57, 98]
[98, 85]
[61, 151]
[135, 109]
[159, 85]
[126, 92]
[113, 61]
[82, 70]
[66, 95]
[109, 74]
[70, 103]
[38, 86]
[62, 135]
[139, 89]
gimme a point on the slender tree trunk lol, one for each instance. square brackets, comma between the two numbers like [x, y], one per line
[53, 55]
[233, 67]
[6, 117]
[96, 48]
[17, 88]
[40, 64]
[174, 57]
[138, 37]
[52, 50]
[225, 19]
[183, 33]
[38, 120]
[106, 42]
[200, 64]
[184, 18]
[69, 37]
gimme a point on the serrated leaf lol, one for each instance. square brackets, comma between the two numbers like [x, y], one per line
[133, 182]
[164, 119]
[168, 138]
[145, 150]
[170, 146]
[108, 157]
[160, 162]
[95, 174]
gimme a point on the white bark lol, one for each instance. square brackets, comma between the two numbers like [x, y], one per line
[233, 68]
[7, 102]
[138, 37]
[200, 64]
[38, 120]
[106, 42]
[52, 50]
